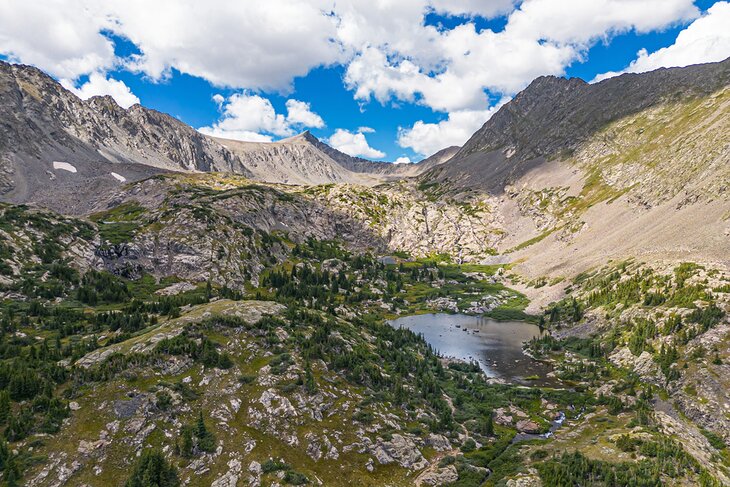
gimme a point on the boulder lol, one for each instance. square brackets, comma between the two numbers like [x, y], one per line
[441, 476]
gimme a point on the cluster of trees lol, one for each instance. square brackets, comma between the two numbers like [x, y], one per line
[102, 287]
[153, 470]
[199, 348]
[127, 322]
[306, 283]
[29, 376]
[664, 459]
[170, 305]
[195, 439]
[320, 250]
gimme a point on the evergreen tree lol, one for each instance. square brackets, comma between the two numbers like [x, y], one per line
[206, 440]
[309, 381]
[153, 470]
[4, 406]
[186, 445]
[488, 425]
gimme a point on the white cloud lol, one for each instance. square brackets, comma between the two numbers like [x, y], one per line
[578, 22]
[481, 8]
[250, 117]
[402, 160]
[388, 51]
[390, 55]
[62, 37]
[429, 138]
[300, 113]
[353, 144]
[706, 40]
[256, 45]
[366, 130]
[449, 70]
[99, 85]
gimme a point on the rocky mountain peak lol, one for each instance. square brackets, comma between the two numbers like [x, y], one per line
[553, 116]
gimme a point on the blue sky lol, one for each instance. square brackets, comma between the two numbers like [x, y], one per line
[384, 81]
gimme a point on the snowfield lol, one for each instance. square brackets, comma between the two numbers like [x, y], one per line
[64, 165]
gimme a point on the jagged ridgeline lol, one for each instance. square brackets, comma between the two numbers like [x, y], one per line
[183, 310]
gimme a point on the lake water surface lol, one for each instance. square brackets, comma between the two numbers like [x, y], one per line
[495, 345]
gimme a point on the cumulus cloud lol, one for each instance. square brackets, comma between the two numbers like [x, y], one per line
[98, 84]
[257, 45]
[389, 52]
[450, 70]
[402, 160]
[59, 36]
[387, 48]
[249, 117]
[705, 40]
[429, 138]
[353, 144]
[300, 113]
[473, 7]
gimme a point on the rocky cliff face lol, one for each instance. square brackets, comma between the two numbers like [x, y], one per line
[305, 160]
[220, 228]
[413, 219]
[56, 148]
[296, 160]
[59, 151]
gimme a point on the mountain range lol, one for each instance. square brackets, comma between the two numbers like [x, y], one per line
[45, 123]
[206, 311]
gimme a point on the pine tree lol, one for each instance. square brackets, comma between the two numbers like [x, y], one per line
[309, 381]
[185, 447]
[153, 470]
[4, 407]
[488, 428]
[206, 440]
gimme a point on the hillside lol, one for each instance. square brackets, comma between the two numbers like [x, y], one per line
[60, 152]
[553, 117]
[219, 312]
[296, 160]
[305, 160]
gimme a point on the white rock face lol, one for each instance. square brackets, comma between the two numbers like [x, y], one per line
[230, 478]
[440, 476]
[64, 166]
[119, 177]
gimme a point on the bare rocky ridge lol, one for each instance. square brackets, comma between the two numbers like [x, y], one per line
[45, 124]
[295, 160]
[390, 171]
[59, 151]
[553, 116]
[305, 160]
[621, 155]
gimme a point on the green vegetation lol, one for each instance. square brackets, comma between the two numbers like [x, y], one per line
[182, 357]
[153, 470]
[664, 459]
[120, 223]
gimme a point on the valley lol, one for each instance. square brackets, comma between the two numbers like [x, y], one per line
[222, 313]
